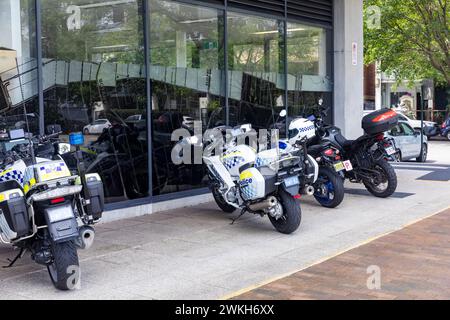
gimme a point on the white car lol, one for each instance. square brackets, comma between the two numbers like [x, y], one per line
[97, 126]
[407, 141]
[429, 127]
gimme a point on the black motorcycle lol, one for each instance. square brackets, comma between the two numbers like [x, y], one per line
[362, 160]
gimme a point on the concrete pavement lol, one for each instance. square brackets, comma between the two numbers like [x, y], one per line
[195, 253]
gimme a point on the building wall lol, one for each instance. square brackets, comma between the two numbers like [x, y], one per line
[128, 75]
[348, 66]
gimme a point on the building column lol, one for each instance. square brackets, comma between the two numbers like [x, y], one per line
[10, 35]
[348, 66]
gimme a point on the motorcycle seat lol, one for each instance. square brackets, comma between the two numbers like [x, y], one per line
[343, 142]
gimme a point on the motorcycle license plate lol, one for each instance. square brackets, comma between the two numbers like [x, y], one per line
[390, 151]
[291, 181]
[348, 165]
[339, 167]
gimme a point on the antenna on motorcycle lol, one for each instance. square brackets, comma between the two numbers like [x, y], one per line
[25, 113]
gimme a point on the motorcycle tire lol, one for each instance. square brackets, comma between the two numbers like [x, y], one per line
[292, 214]
[390, 177]
[64, 270]
[335, 187]
[225, 207]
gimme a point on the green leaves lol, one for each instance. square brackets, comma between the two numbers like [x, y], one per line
[412, 40]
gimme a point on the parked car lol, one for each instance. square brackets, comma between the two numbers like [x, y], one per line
[408, 142]
[134, 118]
[97, 126]
[430, 129]
[445, 128]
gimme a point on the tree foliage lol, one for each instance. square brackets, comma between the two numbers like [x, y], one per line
[412, 40]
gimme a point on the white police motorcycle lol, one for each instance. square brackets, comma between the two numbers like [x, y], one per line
[45, 208]
[265, 183]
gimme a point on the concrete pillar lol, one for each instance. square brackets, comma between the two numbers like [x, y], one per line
[10, 26]
[348, 66]
[378, 93]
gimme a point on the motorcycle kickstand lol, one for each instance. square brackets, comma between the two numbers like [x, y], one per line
[13, 261]
[243, 211]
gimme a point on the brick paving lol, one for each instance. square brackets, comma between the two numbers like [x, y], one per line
[414, 264]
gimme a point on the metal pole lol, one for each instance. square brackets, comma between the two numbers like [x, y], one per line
[421, 127]
[285, 62]
[225, 55]
[37, 4]
[146, 19]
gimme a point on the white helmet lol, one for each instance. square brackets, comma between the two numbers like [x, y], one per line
[301, 128]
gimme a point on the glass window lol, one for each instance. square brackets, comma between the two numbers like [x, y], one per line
[307, 68]
[18, 66]
[256, 70]
[407, 130]
[94, 78]
[186, 63]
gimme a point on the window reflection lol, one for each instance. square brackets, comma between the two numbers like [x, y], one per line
[256, 76]
[94, 82]
[18, 66]
[307, 68]
[186, 60]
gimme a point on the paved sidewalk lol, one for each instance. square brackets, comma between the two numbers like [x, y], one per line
[195, 253]
[414, 263]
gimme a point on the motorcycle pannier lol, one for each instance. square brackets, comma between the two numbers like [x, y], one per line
[13, 208]
[96, 196]
[379, 121]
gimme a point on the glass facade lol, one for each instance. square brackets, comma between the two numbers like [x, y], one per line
[128, 73]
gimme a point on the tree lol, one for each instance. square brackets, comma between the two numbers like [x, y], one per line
[412, 40]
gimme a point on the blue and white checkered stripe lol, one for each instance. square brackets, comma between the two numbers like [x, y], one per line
[262, 162]
[232, 162]
[249, 191]
[12, 175]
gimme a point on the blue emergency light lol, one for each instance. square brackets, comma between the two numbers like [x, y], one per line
[76, 139]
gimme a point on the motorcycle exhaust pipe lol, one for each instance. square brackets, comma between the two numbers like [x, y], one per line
[309, 190]
[266, 204]
[86, 239]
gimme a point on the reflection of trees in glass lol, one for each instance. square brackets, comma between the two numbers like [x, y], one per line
[254, 44]
[196, 29]
[303, 49]
[107, 33]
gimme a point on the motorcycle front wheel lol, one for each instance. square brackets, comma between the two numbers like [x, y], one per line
[385, 184]
[64, 271]
[225, 207]
[292, 214]
[329, 188]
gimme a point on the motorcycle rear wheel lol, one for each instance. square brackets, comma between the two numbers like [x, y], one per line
[225, 207]
[292, 214]
[388, 185]
[64, 270]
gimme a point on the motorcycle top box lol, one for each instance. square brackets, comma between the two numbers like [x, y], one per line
[379, 121]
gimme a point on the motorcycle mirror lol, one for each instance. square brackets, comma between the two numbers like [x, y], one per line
[283, 113]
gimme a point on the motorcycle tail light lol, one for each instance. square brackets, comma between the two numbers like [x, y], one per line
[329, 152]
[338, 158]
[380, 137]
[443, 125]
[57, 200]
